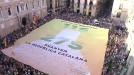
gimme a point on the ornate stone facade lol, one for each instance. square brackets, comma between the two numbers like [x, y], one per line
[13, 11]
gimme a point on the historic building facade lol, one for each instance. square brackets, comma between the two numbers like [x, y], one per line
[56, 5]
[130, 41]
[87, 7]
[18, 13]
[120, 10]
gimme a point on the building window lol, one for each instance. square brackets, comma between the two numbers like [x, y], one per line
[58, 3]
[26, 6]
[121, 6]
[72, 3]
[50, 1]
[90, 8]
[22, 7]
[18, 9]
[91, 3]
[0, 14]
[9, 12]
[118, 14]
[43, 2]
[51, 7]
[38, 3]
[78, 4]
[33, 5]
[85, 4]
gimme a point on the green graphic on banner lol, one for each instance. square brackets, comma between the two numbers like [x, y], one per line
[73, 45]
[76, 27]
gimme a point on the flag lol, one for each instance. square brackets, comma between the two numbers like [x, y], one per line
[35, 18]
[5, 42]
[34, 25]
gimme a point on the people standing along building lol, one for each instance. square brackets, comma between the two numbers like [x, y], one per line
[0, 42]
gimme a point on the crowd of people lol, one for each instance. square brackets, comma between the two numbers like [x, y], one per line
[9, 66]
[116, 54]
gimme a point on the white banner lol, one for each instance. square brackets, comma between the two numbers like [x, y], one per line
[54, 55]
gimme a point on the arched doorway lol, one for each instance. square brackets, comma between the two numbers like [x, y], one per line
[24, 21]
[78, 11]
[89, 14]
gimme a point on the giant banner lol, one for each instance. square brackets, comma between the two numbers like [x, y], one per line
[62, 48]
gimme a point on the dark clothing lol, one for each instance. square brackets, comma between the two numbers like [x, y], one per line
[0, 43]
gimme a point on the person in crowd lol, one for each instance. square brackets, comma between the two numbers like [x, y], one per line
[0, 42]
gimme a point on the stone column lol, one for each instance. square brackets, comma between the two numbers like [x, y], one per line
[46, 11]
[87, 7]
[75, 5]
[82, 6]
[93, 12]
[61, 4]
[53, 5]
[94, 8]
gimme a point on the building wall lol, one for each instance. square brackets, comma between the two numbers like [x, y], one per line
[130, 40]
[57, 5]
[130, 26]
[120, 6]
[132, 72]
[88, 7]
[10, 23]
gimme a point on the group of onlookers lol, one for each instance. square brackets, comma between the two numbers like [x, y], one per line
[9, 66]
[116, 54]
